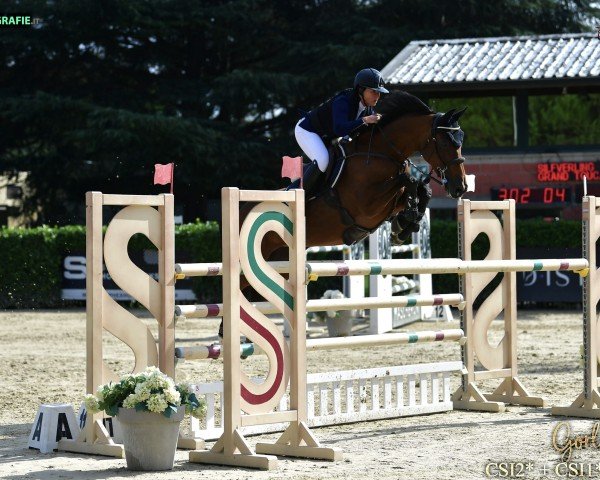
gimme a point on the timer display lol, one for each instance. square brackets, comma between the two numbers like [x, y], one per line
[525, 195]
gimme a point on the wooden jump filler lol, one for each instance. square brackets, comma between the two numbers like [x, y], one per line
[242, 254]
[498, 361]
[149, 215]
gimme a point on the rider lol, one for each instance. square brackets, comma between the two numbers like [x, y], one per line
[337, 117]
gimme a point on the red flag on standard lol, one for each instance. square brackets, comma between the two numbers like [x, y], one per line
[292, 168]
[163, 174]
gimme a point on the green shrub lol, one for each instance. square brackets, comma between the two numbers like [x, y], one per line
[31, 270]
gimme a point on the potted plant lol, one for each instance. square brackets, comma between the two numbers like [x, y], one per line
[150, 407]
[339, 323]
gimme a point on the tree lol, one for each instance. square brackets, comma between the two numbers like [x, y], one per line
[100, 91]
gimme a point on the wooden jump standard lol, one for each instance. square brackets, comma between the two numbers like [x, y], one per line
[500, 361]
[587, 404]
[242, 253]
[152, 216]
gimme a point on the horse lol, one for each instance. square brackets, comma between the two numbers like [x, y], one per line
[375, 184]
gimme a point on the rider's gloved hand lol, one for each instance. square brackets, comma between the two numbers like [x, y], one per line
[369, 119]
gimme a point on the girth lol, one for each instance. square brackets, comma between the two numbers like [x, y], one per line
[355, 232]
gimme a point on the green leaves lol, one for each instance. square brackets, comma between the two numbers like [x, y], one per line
[150, 390]
[102, 91]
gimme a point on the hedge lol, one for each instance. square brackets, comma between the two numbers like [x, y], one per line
[31, 270]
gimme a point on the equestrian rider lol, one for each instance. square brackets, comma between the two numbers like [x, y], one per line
[339, 116]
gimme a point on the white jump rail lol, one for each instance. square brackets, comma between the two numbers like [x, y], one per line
[403, 267]
[321, 305]
[214, 351]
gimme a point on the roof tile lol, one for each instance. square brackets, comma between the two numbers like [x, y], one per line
[493, 59]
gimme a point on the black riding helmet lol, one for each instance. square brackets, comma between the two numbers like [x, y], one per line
[370, 78]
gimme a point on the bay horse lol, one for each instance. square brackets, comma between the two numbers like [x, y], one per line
[375, 184]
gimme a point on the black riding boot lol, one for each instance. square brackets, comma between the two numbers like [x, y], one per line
[312, 179]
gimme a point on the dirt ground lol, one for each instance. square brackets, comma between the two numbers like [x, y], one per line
[42, 360]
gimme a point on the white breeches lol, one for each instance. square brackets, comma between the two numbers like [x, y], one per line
[312, 145]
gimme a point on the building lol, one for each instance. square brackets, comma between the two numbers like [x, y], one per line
[11, 197]
[545, 179]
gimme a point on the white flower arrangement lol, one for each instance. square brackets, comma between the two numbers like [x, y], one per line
[150, 390]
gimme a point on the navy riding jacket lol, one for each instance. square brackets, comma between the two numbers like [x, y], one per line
[336, 117]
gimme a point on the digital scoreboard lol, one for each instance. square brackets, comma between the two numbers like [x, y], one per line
[525, 195]
[560, 184]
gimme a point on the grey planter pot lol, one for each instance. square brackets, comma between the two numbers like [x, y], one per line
[340, 326]
[150, 439]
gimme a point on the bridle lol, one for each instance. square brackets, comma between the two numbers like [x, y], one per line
[439, 171]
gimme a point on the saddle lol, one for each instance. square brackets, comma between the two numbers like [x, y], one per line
[403, 224]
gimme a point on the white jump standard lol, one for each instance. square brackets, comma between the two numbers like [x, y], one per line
[587, 403]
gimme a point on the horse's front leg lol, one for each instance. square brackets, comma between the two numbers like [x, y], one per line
[409, 220]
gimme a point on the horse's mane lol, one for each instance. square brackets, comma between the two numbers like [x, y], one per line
[398, 103]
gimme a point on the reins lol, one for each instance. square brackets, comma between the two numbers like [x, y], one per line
[440, 171]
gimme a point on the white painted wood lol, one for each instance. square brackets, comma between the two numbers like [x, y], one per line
[387, 393]
[358, 384]
[399, 391]
[411, 391]
[337, 397]
[435, 389]
[424, 389]
[375, 394]
[362, 394]
[350, 407]
[323, 410]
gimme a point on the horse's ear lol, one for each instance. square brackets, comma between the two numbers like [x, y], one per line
[458, 114]
[445, 120]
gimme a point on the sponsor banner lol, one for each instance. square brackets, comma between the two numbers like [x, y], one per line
[561, 286]
[74, 272]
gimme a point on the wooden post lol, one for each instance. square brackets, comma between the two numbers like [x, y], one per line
[587, 403]
[494, 362]
[166, 275]
[93, 439]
